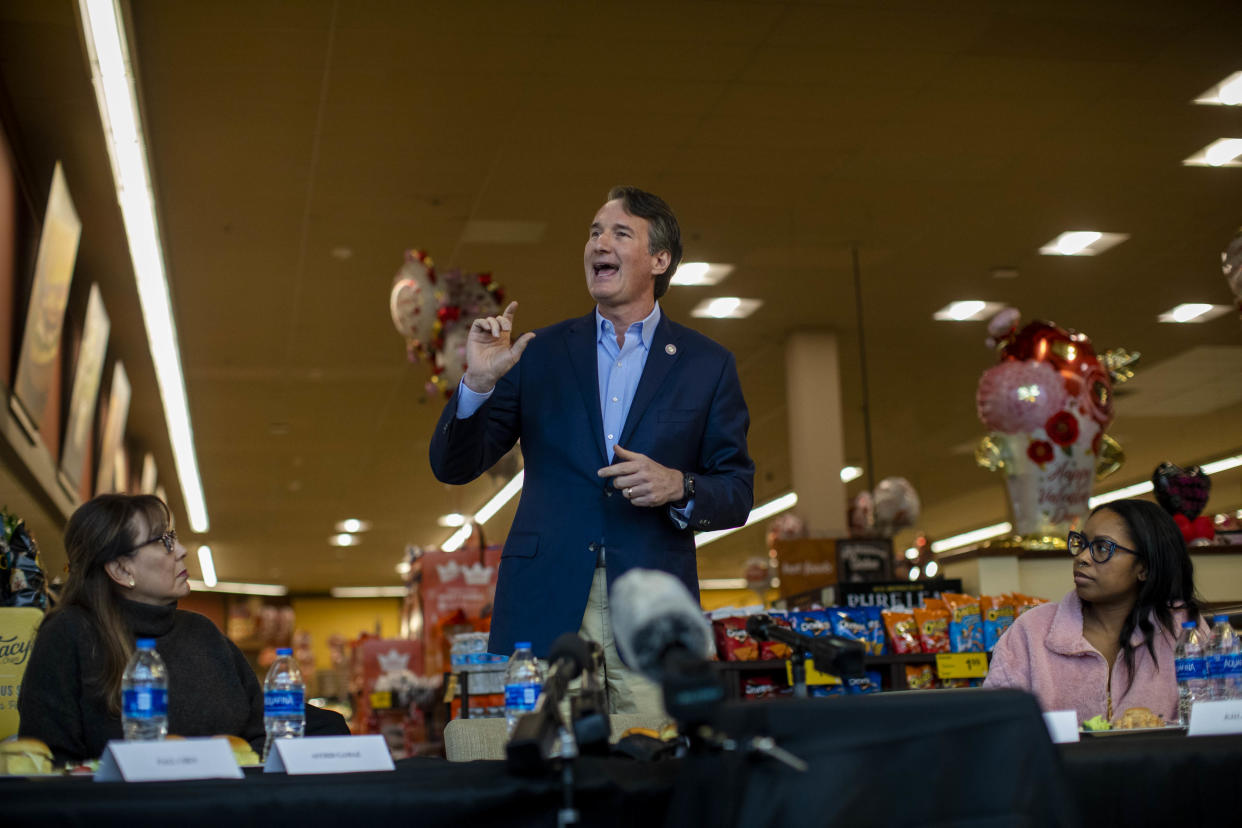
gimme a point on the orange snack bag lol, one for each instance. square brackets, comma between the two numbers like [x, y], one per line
[902, 631]
[933, 626]
[920, 677]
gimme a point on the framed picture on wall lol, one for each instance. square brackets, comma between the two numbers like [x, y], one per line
[113, 431]
[85, 395]
[45, 313]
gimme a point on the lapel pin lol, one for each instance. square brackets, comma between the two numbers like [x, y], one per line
[670, 349]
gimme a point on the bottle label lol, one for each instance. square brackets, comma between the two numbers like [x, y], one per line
[282, 702]
[521, 696]
[144, 702]
[1225, 666]
[1191, 668]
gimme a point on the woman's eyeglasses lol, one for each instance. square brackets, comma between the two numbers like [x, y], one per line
[169, 539]
[1102, 549]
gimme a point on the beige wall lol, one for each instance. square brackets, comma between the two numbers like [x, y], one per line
[323, 617]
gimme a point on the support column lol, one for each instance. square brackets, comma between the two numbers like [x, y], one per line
[816, 442]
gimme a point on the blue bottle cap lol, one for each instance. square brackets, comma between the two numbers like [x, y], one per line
[145, 643]
[1221, 619]
[522, 645]
[1189, 625]
[284, 651]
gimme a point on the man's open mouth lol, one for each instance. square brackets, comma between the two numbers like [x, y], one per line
[604, 269]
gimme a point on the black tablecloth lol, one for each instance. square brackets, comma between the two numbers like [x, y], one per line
[1124, 780]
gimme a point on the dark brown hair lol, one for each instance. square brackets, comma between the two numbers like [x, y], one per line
[1170, 582]
[100, 531]
[663, 232]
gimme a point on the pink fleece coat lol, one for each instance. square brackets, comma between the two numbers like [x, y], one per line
[1045, 653]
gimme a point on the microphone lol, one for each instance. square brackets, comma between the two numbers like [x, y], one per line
[661, 633]
[530, 746]
[831, 654]
[589, 708]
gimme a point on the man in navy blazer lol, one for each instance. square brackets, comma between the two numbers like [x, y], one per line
[632, 429]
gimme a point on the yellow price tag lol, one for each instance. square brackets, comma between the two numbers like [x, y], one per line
[381, 701]
[961, 665]
[813, 676]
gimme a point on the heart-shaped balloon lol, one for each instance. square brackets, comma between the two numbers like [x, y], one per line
[1181, 491]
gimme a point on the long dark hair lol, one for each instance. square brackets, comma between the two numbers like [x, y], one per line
[1170, 580]
[100, 531]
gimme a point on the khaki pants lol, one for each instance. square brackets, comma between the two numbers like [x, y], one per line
[628, 692]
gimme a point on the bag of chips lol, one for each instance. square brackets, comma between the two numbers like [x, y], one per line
[998, 614]
[920, 676]
[1022, 603]
[733, 643]
[965, 623]
[775, 650]
[902, 631]
[851, 623]
[811, 622]
[875, 626]
[932, 620]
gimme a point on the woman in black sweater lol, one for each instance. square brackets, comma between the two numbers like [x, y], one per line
[126, 572]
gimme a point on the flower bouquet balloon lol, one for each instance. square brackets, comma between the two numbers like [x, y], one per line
[1048, 403]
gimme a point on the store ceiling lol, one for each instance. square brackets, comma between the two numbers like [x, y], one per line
[944, 143]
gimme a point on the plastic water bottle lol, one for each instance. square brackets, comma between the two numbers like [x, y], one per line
[1224, 657]
[523, 683]
[284, 714]
[144, 695]
[1191, 663]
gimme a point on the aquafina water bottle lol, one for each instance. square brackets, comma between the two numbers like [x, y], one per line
[523, 683]
[1224, 657]
[144, 695]
[284, 714]
[1190, 662]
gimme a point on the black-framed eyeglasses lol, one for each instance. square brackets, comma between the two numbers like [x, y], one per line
[1102, 549]
[169, 539]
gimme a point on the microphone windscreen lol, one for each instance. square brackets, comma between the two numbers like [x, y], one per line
[572, 648]
[652, 612]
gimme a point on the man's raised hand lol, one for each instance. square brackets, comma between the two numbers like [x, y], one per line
[489, 353]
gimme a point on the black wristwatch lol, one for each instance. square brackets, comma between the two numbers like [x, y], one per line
[687, 490]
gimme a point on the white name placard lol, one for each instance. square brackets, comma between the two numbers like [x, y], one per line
[1212, 718]
[329, 754]
[1062, 725]
[167, 760]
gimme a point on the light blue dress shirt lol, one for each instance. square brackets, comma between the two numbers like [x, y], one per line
[620, 367]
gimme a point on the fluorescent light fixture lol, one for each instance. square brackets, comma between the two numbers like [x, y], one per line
[1194, 312]
[1226, 93]
[931, 569]
[352, 525]
[370, 592]
[117, 98]
[241, 589]
[700, 273]
[1120, 494]
[501, 497]
[489, 510]
[1082, 243]
[726, 307]
[207, 566]
[767, 510]
[343, 539]
[912, 554]
[851, 473]
[973, 536]
[1220, 153]
[967, 310]
[722, 583]
[452, 520]
[1222, 465]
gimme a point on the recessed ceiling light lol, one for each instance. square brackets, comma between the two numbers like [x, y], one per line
[343, 539]
[1226, 93]
[342, 253]
[726, 307]
[914, 573]
[1082, 243]
[1223, 152]
[353, 525]
[967, 310]
[1194, 312]
[932, 569]
[1005, 273]
[912, 554]
[851, 473]
[452, 520]
[701, 273]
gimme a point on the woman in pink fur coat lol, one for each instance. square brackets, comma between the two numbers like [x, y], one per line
[1108, 645]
